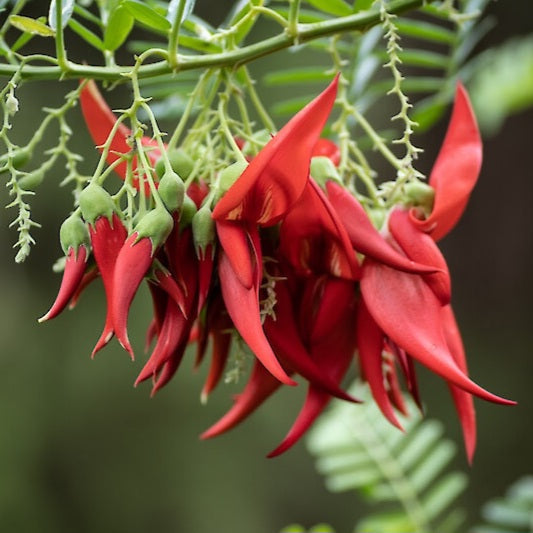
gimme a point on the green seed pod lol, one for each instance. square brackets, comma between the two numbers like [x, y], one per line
[96, 202]
[420, 194]
[156, 225]
[31, 181]
[73, 233]
[323, 169]
[230, 174]
[171, 190]
[188, 210]
[18, 158]
[203, 230]
[180, 161]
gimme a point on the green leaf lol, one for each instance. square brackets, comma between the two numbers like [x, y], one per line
[296, 75]
[146, 15]
[362, 5]
[29, 25]
[86, 34]
[67, 6]
[425, 30]
[338, 8]
[119, 26]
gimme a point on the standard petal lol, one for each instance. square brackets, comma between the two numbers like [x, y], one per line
[277, 176]
[456, 169]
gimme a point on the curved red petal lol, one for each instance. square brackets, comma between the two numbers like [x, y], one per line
[456, 169]
[259, 387]
[72, 277]
[420, 247]
[364, 237]
[409, 313]
[276, 177]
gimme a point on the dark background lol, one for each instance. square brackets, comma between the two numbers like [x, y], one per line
[81, 450]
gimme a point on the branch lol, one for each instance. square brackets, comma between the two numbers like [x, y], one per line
[234, 58]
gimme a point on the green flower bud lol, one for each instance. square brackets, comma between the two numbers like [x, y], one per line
[73, 233]
[18, 158]
[323, 169]
[377, 216]
[31, 181]
[180, 161]
[420, 194]
[230, 174]
[203, 230]
[155, 225]
[171, 190]
[188, 210]
[96, 202]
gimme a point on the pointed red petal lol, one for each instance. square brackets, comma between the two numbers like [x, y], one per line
[107, 239]
[131, 265]
[327, 148]
[72, 276]
[370, 348]
[408, 312]
[219, 357]
[243, 308]
[234, 240]
[100, 121]
[364, 237]
[259, 387]
[456, 169]
[282, 333]
[313, 238]
[276, 177]
[420, 247]
[464, 402]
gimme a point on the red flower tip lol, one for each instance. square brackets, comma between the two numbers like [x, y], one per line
[456, 169]
[100, 121]
[132, 263]
[72, 276]
[364, 237]
[276, 177]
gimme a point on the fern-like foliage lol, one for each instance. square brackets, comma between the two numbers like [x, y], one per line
[512, 513]
[404, 475]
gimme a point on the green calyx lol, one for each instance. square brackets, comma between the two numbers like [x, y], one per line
[188, 210]
[73, 233]
[171, 191]
[180, 161]
[203, 230]
[420, 194]
[229, 175]
[19, 158]
[323, 169]
[32, 180]
[96, 202]
[155, 225]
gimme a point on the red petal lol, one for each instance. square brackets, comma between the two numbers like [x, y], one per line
[313, 238]
[456, 169]
[409, 313]
[276, 177]
[72, 276]
[107, 239]
[100, 121]
[364, 237]
[131, 265]
[464, 403]
[259, 387]
[327, 148]
[243, 307]
[370, 348]
[420, 247]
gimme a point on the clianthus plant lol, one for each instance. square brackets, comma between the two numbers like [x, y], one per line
[284, 245]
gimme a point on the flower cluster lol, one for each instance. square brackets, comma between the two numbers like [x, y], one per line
[290, 261]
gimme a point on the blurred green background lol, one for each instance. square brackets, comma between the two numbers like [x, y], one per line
[81, 450]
